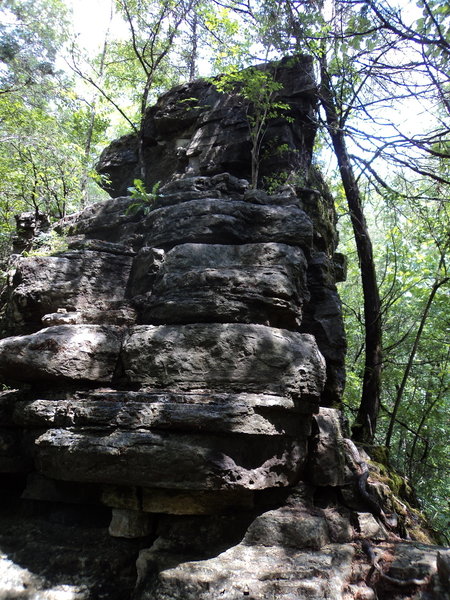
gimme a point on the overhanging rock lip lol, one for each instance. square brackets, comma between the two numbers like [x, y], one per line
[169, 460]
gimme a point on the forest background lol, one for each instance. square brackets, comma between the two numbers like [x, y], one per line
[70, 82]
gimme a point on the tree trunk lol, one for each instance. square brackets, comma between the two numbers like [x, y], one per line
[193, 56]
[141, 142]
[364, 428]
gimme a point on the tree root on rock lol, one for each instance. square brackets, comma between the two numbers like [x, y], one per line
[375, 566]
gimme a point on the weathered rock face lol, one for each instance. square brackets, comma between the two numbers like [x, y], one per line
[79, 279]
[28, 226]
[248, 283]
[248, 358]
[196, 130]
[170, 366]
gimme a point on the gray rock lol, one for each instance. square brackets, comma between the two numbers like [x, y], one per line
[17, 582]
[340, 266]
[251, 283]
[64, 352]
[370, 528]
[339, 526]
[443, 567]
[80, 242]
[94, 316]
[325, 322]
[196, 502]
[130, 524]
[52, 558]
[319, 204]
[146, 267]
[322, 317]
[222, 185]
[413, 560]
[251, 358]
[202, 536]
[327, 460]
[71, 281]
[196, 130]
[170, 461]
[257, 572]
[113, 221]
[28, 227]
[289, 527]
[216, 221]
[175, 384]
[227, 413]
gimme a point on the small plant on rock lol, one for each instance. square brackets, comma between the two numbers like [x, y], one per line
[259, 88]
[48, 243]
[144, 199]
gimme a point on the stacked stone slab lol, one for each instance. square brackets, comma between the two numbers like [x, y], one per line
[211, 386]
[194, 318]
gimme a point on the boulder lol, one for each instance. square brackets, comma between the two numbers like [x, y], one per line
[170, 460]
[289, 527]
[252, 414]
[113, 222]
[29, 225]
[130, 524]
[322, 316]
[217, 221]
[125, 315]
[247, 571]
[189, 338]
[71, 281]
[196, 130]
[327, 459]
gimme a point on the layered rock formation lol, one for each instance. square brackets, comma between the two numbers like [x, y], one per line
[169, 369]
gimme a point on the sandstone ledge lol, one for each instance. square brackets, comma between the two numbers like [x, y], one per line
[246, 358]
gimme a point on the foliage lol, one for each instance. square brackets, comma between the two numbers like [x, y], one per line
[258, 87]
[227, 37]
[144, 199]
[30, 34]
[44, 124]
[48, 244]
[409, 241]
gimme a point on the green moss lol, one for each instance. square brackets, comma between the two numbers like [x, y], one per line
[418, 534]
[400, 497]
[379, 454]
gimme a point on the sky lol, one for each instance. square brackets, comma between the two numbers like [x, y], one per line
[91, 19]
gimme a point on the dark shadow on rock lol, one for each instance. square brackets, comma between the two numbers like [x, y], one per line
[63, 551]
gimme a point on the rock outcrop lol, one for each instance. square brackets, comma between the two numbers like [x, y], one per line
[195, 130]
[174, 369]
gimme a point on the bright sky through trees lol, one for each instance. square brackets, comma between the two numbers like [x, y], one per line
[91, 19]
